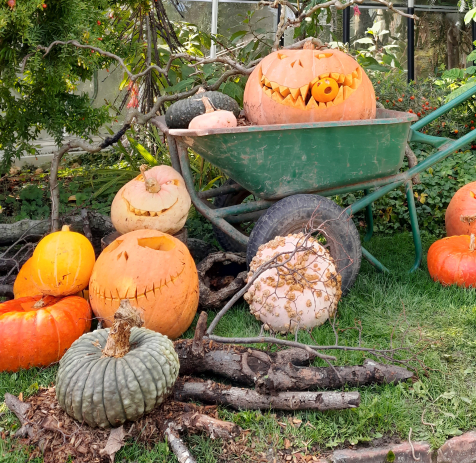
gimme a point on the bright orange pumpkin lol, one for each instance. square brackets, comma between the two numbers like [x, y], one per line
[460, 217]
[308, 85]
[34, 334]
[62, 263]
[452, 260]
[156, 272]
[23, 285]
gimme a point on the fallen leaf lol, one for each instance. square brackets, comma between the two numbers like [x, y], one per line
[20, 397]
[287, 443]
[114, 443]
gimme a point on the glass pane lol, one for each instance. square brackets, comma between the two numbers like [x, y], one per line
[198, 13]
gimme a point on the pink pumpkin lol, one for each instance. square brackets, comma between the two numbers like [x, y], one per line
[155, 200]
[213, 119]
[302, 293]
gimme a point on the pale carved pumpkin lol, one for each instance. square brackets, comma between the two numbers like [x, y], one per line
[156, 200]
[156, 272]
[308, 85]
[302, 293]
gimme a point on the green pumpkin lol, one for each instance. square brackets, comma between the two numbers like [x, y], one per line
[107, 391]
[180, 114]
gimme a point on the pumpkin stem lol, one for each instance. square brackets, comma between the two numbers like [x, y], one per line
[39, 304]
[471, 242]
[152, 185]
[208, 105]
[65, 228]
[126, 317]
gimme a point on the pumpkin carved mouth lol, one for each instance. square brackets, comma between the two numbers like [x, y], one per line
[141, 212]
[323, 91]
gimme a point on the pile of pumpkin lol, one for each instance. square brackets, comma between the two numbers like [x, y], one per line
[286, 87]
[452, 260]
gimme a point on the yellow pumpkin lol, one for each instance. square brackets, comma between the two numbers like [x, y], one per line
[62, 263]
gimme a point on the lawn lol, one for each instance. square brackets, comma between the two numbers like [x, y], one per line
[446, 392]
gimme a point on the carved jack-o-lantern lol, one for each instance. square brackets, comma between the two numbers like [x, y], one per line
[155, 272]
[308, 85]
[156, 200]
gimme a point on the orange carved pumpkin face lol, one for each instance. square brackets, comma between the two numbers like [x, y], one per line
[293, 86]
[155, 272]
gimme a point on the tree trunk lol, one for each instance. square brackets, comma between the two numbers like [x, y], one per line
[248, 399]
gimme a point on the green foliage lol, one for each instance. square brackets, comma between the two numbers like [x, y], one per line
[39, 92]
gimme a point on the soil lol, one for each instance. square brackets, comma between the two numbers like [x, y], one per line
[242, 121]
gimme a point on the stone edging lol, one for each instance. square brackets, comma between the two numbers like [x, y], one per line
[460, 449]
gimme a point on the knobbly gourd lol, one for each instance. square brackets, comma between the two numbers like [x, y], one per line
[155, 200]
[180, 114]
[460, 217]
[213, 119]
[302, 293]
[36, 331]
[308, 85]
[62, 263]
[154, 271]
[115, 375]
[452, 260]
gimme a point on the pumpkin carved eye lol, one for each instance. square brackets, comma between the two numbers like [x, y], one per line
[325, 90]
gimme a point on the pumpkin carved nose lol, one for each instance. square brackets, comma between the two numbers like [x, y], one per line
[325, 90]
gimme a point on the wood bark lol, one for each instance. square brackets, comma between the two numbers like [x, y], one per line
[177, 445]
[20, 409]
[216, 289]
[248, 399]
[213, 428]
[34, 230]
[281, 371]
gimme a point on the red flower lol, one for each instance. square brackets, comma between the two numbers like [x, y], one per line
[356, 10]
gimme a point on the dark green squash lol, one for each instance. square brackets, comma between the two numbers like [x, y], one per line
[180, 114]
[106, 383]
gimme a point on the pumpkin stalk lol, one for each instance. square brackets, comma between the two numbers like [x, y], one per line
[65, 228]
[126, 317]
[471, 242]
[151, 184]
[208, 105]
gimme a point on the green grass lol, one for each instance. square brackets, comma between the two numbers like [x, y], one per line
[447, 316]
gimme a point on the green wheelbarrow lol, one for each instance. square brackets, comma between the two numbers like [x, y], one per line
[280, 177]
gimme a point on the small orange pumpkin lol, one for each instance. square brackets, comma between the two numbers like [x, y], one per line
[23, 285]
[452, 260]
[36, 331]
[156, 272]
[460, 217]
[62, 263]
[308, 85]
[155, 200]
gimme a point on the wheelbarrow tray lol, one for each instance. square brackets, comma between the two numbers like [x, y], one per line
[275, 161]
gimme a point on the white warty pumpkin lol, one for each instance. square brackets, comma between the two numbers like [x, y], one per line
[301, 293]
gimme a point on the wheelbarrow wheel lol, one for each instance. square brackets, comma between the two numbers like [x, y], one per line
[292, 214]
[231, 199]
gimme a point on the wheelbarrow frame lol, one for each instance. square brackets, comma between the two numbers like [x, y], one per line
[225, 217]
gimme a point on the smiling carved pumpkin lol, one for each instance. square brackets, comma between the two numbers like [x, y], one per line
[308, 85]
[156, 272]
[156, 200]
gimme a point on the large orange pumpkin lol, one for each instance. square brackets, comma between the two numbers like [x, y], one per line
[37, 332]
[156, 272]
[156, 200]
[62, 263]
[295, 86]
[460, 218]
[23, 285]
[452, 260]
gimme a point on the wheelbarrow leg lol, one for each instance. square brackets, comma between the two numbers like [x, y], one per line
[369, 219]
[414, 225]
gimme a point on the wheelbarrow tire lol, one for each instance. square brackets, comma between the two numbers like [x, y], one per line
[230, 199]
[292, 214]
